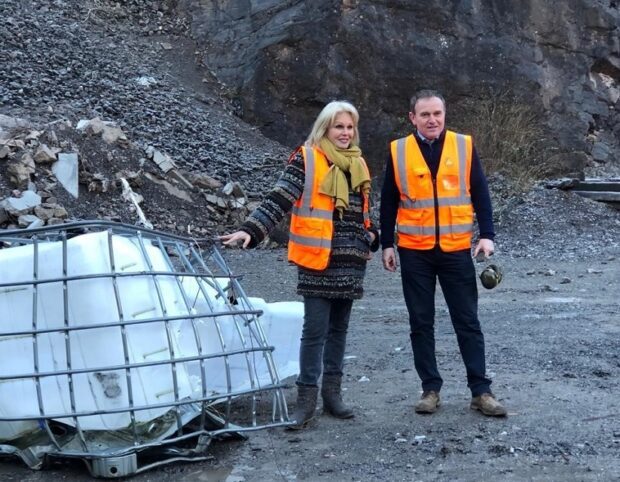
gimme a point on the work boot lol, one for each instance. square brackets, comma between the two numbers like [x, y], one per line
[305, 407]
[487, 404]
[332, 397]
[428, 403]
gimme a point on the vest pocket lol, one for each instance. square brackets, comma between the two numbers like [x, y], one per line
[461, 219]
[450, 182]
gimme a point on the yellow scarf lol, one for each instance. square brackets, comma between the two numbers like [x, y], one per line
[335, 183]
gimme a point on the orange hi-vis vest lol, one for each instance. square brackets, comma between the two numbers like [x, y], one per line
[434, 212]
[312, 226]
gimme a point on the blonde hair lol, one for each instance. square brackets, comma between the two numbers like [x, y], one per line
[327, 117]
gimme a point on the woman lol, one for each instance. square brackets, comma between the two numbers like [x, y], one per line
[326, 185]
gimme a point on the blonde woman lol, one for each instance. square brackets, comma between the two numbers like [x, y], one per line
[326, 187]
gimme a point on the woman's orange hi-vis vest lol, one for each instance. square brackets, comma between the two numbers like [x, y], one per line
[437, 212]
[312, 226]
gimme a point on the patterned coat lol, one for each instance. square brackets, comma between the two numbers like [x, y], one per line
[343, 278]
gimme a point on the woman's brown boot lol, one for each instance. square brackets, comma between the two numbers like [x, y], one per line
[332, 397]
[305, 407]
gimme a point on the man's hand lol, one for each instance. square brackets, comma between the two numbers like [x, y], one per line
[235, 238]
[485, 246]
[389, 259]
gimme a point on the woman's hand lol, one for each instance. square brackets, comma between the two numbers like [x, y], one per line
[235, 238]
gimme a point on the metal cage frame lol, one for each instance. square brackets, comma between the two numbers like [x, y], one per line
[188, 425]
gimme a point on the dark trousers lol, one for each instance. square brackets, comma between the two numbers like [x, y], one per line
[323, 338]
[457, 277]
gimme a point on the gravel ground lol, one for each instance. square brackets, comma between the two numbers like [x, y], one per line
[553, 351]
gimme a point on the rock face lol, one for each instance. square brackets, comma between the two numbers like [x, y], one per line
[286, 58]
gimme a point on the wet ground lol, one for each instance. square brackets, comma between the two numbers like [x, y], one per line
[553, 350]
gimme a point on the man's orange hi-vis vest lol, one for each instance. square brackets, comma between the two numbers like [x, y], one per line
[437, 212]
[312, 226]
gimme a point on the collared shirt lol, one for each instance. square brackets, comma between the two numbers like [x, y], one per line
[424, 139]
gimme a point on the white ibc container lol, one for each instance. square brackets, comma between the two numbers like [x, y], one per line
[89, 302]
[281, 325]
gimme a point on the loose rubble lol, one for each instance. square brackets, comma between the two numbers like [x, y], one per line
[72, 66]
[56, 173]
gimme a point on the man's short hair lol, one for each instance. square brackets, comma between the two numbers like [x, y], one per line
[425, 94]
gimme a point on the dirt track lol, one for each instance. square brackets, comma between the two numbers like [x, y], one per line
[553, 350]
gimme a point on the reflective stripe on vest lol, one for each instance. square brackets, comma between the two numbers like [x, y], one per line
[312, 224]
[422, 203]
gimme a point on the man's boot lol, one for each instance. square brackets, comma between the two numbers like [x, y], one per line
[305, 407]
[488, 405]
[332, 397]
[429, 402]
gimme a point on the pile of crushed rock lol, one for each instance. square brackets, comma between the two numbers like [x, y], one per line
[59, 172]
[129, 63]
[547, 223]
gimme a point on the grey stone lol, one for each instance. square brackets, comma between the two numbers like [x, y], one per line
[164, 161]
[203, 181]
[66, 171]
[171, 189]
[112, 135]
[600, 152]
[29, 221]
[92, 126]
[109, 131]
[60, 212]
[19, 171]
[16, 206]
[8, 122]
[44, 154]
[44, 212]
[216, 200]
[4, 216]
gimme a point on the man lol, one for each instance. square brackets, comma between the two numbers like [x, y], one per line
[433, 184]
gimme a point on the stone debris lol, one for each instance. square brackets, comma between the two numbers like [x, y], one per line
[146, 81]
[65, 61]
[109, 131]
[170, 188]
[163, 161]
[203, 181]
[135, 199]
[29, 221]
[44, 155]
[66, 171]
[22, 204]
[20, 170]
[45, 162]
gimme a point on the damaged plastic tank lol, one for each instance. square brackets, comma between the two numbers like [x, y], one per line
[120, 342]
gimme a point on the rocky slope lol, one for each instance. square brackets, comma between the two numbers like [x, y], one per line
[129, 64]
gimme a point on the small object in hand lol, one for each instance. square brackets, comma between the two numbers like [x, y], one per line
[491, 276]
